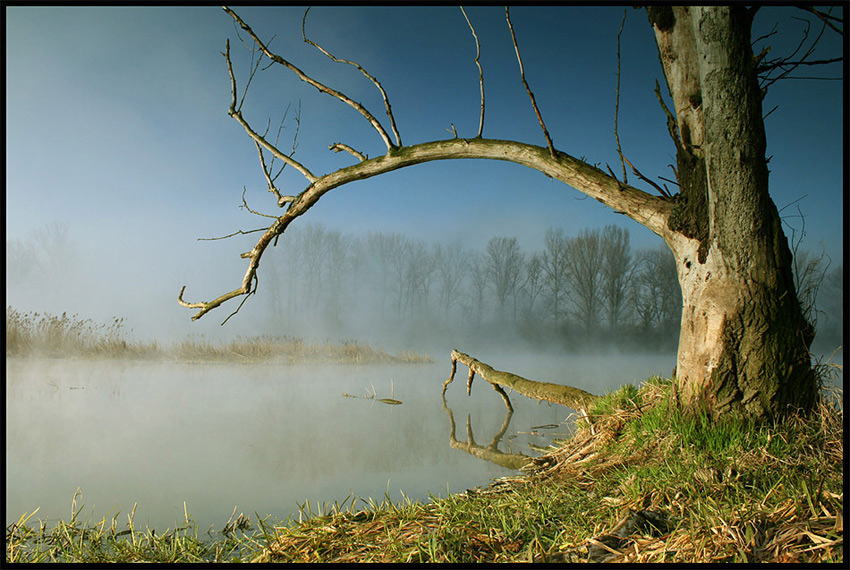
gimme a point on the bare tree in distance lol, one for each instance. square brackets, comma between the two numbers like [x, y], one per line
[617, 265]
[744, 341]
[584, 260]
[556, 272]
[503, 266]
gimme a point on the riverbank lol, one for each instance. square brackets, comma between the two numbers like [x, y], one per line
[637, 482]
[42, 335]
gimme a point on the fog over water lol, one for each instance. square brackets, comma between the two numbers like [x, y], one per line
[263, 438]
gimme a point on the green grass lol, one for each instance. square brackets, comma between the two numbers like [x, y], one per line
[51, 336]
[108, 540]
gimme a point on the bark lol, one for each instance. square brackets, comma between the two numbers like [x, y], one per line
[743, 346]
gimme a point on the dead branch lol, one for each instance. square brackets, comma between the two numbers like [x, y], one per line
[637, 173]
[310, 81]
[360, 68]
[336, 147]
[236, 233]
[650, 211]
[569, 396]
[237, 114]
[617, 102]
[644, 208]
[480, 72]
[525, 83]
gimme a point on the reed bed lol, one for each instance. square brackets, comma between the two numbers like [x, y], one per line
[64, 336]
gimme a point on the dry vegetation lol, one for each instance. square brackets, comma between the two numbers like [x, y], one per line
[45, 335]
[638, 483]
[711, 492]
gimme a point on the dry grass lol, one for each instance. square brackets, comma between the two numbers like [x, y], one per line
[45, 335]
[729, 493]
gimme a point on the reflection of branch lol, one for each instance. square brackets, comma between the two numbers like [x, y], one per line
[489, 453]
[525, 83]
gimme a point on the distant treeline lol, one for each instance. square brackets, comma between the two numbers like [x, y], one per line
[588, 288]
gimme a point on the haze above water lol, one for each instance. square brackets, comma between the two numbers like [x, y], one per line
[265, 438]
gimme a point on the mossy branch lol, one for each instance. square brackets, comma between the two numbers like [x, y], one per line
[574, 398]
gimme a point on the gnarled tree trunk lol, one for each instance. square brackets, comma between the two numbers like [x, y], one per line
[744, 342]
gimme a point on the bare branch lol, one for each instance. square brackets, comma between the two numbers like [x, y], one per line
[650, 211]
[637, 173]
[826, 18]
[672, 127]
[525, 83]
[236, 114]
[247, 207]
[266, 172]
[336, 147]
[617, 102]
[236, 233]
[480, 72]
[310, 81]
[360, 68]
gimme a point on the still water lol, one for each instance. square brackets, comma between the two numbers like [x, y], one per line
[265, 438]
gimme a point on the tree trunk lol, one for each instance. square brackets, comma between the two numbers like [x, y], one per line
[743, 346]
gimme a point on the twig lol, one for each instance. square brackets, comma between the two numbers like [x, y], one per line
[236, 233]
[336, 147]
[310, 81]
[525, 83]
[360, 68]
[617, 103]
[637, 173]
[237, 114]
[247, 207]
[480, 72]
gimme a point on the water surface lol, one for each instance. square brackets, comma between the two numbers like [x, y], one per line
[265, 438]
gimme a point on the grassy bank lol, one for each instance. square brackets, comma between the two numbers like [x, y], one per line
[637, 482]
[52, 336]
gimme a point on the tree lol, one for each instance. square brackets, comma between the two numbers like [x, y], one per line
[504, 263]
[743, 344]
[556, 271]
[616, 273]
[584, 262]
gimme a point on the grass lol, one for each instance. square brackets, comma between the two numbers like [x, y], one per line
[45, 335]
[730, 492]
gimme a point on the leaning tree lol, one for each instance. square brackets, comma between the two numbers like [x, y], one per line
[744, 340]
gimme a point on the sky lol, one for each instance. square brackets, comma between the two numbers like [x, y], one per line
[117, 127]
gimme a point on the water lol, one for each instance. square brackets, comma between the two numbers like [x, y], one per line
[266, 438]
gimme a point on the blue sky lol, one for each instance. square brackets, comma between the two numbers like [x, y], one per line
[116, 124]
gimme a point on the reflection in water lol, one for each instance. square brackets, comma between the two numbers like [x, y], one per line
[491, 452]
[261, 437]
